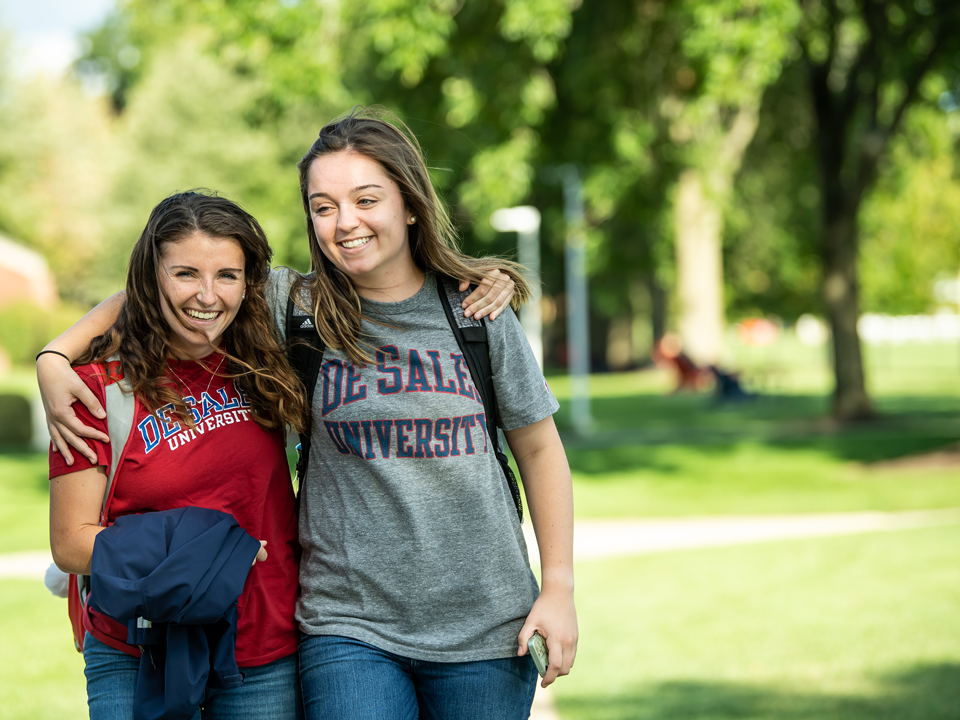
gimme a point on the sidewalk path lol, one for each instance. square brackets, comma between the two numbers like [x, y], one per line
[597, 539]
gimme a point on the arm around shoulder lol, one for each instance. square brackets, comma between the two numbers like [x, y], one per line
[60, 387]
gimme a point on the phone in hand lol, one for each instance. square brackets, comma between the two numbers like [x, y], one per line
[538, 650]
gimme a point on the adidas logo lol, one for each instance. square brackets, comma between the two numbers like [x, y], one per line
[306, 324]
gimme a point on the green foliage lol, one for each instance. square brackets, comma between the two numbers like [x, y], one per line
[185, 126]
[771, 259]
[543, 24]
[910, 224]
[15, 421]
[54, 150]
[25, 328]
[737, 50]
[740, 46]
[407, 37]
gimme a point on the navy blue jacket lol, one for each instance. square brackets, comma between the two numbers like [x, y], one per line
[174, 577]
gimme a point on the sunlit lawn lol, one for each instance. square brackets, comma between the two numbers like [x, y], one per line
[24, 491]
[853, 628]
[748, 477]
[42, 673]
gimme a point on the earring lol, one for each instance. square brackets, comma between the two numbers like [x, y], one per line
[244, 296]
[411, 220]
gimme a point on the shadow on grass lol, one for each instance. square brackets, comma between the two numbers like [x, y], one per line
[863, 447]
[925, 692]
[905, 425]
[802, 412]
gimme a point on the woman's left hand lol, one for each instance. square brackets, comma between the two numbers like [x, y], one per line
[491, 297]
[555, 617]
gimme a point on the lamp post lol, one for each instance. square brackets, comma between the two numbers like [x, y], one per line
[525, 221]
[578, 318]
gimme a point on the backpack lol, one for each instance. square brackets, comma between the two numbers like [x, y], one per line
[305, 353]
[121, 407]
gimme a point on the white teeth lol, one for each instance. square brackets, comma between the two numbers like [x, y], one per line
[356, 243]
[201, 315]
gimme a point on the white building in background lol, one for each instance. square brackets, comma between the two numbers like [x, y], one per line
[25, 276]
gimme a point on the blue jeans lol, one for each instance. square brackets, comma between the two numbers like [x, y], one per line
[345, 679]
[269, 692]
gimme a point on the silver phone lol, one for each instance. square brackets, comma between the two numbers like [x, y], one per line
[538, 650]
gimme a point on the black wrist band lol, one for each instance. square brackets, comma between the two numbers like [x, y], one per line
[55, 352]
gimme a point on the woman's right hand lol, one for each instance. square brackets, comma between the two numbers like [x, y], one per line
[60, 388]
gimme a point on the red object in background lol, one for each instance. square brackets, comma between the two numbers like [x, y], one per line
[669, 352]
[757, 331]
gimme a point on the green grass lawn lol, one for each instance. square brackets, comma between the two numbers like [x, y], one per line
[749, 477]
[42, 673]
[24, 494]
[852, 628]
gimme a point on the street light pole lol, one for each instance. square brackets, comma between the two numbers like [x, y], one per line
[578, 319]
[525, 221]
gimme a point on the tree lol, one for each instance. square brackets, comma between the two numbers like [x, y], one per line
[910, 223]
[54, 174]
[867, 63]
[736, 49]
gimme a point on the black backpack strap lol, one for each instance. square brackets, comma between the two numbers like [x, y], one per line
[471, 335]
[305, 352]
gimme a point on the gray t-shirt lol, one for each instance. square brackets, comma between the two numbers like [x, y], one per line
[411, 541]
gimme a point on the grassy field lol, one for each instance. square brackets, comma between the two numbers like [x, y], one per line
[42, 673]
[24, 491]
[854, 628]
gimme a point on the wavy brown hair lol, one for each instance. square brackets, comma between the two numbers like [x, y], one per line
[433, 238]
[142, 338]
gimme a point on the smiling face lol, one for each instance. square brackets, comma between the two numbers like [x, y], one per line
[361, 224]
[203, 278]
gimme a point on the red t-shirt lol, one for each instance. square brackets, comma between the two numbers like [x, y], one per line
[227, 462]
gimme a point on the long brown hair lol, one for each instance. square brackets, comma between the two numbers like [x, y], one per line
[433, 238]
[141, 337]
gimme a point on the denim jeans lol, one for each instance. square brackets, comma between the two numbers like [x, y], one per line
[269, 692]
[345, 679]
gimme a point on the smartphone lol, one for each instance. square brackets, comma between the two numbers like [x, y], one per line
[538, 650]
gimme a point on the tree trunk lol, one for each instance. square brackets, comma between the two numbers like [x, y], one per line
[841, 293]
[698, 224]
[658, 308]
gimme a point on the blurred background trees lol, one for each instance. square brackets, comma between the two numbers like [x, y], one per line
[751, 158]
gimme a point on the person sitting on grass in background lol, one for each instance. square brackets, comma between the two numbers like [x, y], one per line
[669, 351]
